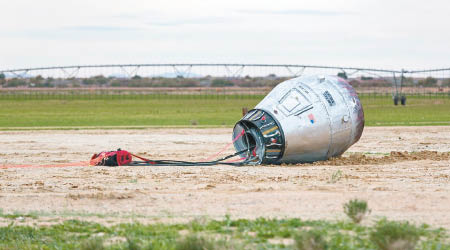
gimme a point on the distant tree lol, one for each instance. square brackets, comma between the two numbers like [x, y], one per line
[342, 75]
[115, 84]
[221, 83]
[88, 81]
[429, 81]
[366, 78]
[95, 80]
[446, 82]
[16, 82]
[100, 79]
[49, 80]
[44, 85]
[136, 77]
[37, 79]
[407, 81]
[2, 79]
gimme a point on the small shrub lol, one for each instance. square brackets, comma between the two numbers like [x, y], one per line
[356, 210]
[95, 243]
[199, 242]
[195, 242]
[221, 83]
[132, 244]
[392, 235]
[310, 240]
[336, 176]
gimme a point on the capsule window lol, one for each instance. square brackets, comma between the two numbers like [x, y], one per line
[293, 102]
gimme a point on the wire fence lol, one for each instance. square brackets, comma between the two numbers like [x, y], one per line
[142, 95]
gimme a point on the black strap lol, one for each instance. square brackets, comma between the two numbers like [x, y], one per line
[194, 163]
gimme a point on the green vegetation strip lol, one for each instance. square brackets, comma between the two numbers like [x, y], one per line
[129, 111]
[260, 233]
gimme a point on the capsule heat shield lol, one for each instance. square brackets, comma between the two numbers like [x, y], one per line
[261, 135]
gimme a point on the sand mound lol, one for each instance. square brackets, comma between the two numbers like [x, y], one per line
[394, 156]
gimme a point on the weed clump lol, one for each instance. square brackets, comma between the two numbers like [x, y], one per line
[198, 242]
[310, 240]
[132, 244]
[95, 243]
[335, 177]
[392, 235]
[356, 210]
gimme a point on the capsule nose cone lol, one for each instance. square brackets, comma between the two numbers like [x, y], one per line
[359, 123]
[356, 109]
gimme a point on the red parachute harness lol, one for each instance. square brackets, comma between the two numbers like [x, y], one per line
[111, 158]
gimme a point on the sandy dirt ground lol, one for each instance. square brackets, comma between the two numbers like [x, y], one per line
[398, 185]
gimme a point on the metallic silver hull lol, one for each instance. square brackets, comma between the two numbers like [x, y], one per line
[317, 117]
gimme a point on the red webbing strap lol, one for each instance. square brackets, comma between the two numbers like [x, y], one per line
[72, 164]
[96, 158]
[144, 159]
[226, 147]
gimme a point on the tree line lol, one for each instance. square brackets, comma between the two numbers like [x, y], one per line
[207, 81]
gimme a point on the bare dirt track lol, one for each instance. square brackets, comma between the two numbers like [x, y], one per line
[399, 185]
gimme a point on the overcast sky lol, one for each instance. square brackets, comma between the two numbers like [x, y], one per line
[366, 33]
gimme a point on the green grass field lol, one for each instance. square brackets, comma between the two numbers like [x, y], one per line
[188, 110]
[205, 234]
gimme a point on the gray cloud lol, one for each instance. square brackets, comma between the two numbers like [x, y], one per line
[97, 28]
[296, 12]
[156, 18]
[137, 15]
[72, 33]
[189, 21]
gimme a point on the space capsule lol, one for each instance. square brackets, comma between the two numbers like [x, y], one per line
[304, 119]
